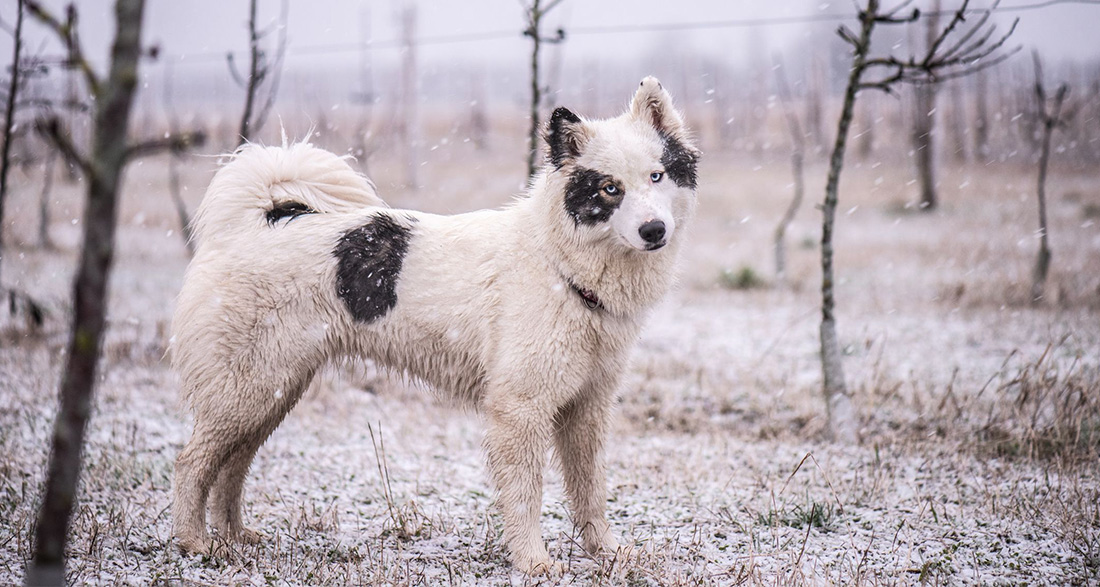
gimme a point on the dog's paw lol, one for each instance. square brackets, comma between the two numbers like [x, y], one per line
[546, 568]
[195, 545]
[538, 565]
[247, 536]
[597, 543]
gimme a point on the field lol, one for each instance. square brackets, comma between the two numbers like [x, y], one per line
[980, 411]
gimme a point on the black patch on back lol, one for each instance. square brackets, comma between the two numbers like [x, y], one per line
[563, 146]
[369, 262]
[289, 209]
[679, 163]
[585, 201]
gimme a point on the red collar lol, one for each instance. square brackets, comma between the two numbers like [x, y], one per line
[590, 298]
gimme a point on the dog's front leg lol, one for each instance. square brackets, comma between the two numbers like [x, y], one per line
[580, 432]
[516, 441]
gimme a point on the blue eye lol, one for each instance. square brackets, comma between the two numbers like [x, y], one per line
[656, 176]
[611, 189]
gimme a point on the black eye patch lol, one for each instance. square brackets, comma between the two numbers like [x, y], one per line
[587, 199]
[679, 163]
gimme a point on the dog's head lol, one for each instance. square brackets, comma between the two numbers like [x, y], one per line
[631, 178]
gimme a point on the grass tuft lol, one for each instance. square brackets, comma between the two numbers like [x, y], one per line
[744, 278]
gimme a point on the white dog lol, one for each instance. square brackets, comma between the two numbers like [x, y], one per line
[527, 313]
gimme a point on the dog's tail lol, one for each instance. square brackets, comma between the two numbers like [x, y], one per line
[264, 185]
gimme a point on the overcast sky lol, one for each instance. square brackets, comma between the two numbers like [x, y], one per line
[197, 31]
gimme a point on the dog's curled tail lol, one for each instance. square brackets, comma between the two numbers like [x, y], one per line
[262, 185]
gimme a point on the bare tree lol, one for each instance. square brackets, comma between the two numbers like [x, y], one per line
[981, 116]
[867, 129]
[534, 12]
[968, 51]
[102, 168]
[259, 68]
[815, 98]
[9, 112]
[113, 101]
[798, 157]
[1049, 117]
[364, 141]
[173, 165]
[410, 123]
[44, 240]
[957, 123]
[924, 119]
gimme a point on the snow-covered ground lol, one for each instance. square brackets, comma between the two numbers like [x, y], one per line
[719, 469]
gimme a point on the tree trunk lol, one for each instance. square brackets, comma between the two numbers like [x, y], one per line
[958, 123]
[9, 118]
[245, 132]
[536, 93]
[409, 97]
[1048, 121]
[177, 201]
[981, 116]
[798, 155]
[815, 97]
[867, 130]
[44, 201]
[924, 119]
[843, 423]
[90, 301]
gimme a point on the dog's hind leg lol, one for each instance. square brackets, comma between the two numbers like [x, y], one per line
[198, 464]
[215, 460]
[225, 495]
[580, 431]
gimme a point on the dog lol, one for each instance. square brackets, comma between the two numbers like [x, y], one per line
[527, 313]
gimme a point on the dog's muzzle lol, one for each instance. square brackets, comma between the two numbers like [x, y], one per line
[653, 234]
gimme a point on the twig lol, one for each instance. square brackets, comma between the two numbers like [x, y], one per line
[810, 456]
[51, 129]
[175, 142]
[67, 33]
[275, 68]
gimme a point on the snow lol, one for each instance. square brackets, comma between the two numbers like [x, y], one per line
[718, 467]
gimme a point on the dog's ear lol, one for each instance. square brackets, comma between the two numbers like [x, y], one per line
[566, 136]
[652, 104]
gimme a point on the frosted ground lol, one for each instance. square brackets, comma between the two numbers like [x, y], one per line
[978, 461]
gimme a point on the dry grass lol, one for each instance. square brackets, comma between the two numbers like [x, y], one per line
[980, 410]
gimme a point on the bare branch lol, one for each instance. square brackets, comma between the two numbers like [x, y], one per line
[233, 73]
[891, 18]
[276, 68]
[897, 9]
[66, 32]
[980, 67]
[958, 17]
[848, 36]
[52, 130]
[174, 142]
[969, 34]
[553, 4]
[975, 52]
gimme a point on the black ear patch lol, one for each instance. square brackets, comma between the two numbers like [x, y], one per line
[586, 201]
[679, 162]
[369, 260]
[288, 209]
[564, 142]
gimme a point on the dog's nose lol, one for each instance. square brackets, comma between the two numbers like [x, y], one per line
[653, 231]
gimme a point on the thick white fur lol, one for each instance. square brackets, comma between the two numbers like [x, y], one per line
[485, 312]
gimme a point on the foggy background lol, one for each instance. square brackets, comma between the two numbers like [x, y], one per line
[342, 52]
